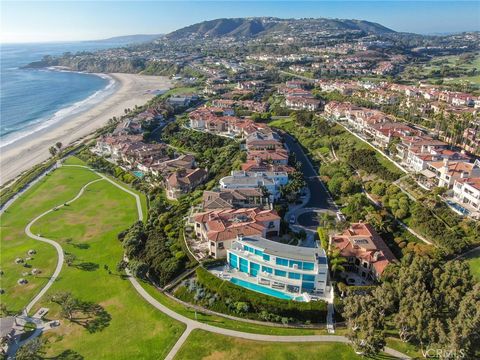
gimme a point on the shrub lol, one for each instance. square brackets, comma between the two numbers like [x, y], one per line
[260, 304]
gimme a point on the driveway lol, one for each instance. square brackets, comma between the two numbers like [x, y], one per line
[319, 200]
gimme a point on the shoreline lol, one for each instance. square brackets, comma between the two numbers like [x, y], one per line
[129, 90]
[65, 113]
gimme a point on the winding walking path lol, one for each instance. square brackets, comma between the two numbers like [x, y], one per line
[190, 323]
[56, 245]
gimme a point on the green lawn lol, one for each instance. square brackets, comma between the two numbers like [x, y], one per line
[62, 185]
[135, 329]
[203, 345]
[473, 260]
[434, 64]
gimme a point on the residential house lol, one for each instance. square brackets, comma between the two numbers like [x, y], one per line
[236, 198]
[365, 251]
[293, 269]
[466, 191]
[447, 171]
[270, 181]
[183, 181]
[221, 227]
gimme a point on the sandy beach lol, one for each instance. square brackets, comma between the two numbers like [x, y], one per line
[131, 90]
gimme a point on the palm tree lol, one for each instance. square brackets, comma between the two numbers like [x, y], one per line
[336, 261]
[53, 150]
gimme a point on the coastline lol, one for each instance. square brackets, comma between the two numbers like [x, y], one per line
[129, 90]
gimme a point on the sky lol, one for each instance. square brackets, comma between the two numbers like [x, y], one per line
[44, 21]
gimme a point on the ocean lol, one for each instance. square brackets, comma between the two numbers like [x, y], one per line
[33, 99]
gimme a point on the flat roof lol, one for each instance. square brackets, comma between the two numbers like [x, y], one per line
[283, 250]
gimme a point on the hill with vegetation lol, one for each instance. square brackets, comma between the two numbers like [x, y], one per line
[252, 27]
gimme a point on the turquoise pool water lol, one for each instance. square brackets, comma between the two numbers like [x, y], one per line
[458, 208]
[138, 174]
[264, 290]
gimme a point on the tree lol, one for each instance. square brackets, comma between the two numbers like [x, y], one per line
[121, 265]
[70, 259]
[365, 324]
[323, 237]
[53, 150]
[67, 302]
[58, 144]
[138, 268]
[3, 309]
[32, 350]
[336, 261]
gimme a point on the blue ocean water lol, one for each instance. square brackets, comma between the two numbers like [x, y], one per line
[32, 99]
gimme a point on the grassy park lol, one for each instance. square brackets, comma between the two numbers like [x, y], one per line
[473, 259]
[203, 345]
[87, 228]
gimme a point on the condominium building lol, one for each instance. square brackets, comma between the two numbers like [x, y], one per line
[279, 266]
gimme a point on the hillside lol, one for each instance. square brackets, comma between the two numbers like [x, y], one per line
[130, 39]
[252, 27]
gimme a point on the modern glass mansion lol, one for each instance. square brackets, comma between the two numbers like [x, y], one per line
[285, 267]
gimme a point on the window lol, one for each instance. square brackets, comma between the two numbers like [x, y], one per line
[293, 275]
[243, 265]
[212, 244]
[294, 262]
[266, 257]
[280, 273]
[220, 245]
[267, 269]
[308, 285]
[308, 266]
[254, 268]
[258, 252]
[309, 277]
[282, 262]
[233, 260]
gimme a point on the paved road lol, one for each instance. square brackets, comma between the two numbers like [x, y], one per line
[320, 199]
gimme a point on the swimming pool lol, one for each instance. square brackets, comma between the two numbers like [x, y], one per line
[138, 174]
[458, 207]
[265, 290]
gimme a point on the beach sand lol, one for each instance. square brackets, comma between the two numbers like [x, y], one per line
[33, 149]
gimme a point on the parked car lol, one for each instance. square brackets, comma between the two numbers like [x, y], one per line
[292, 219]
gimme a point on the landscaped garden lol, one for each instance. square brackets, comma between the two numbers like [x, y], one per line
[122, 325]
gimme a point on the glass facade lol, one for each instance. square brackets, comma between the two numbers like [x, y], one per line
[254, 268]
[244, 265]
[294, 275]
[233, 260]
[267, 269]
[280, 273]
[288, 271]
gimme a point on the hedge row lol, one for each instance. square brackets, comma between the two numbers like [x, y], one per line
[315, 311]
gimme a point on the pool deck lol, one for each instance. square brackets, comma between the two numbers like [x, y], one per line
[226, 273]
